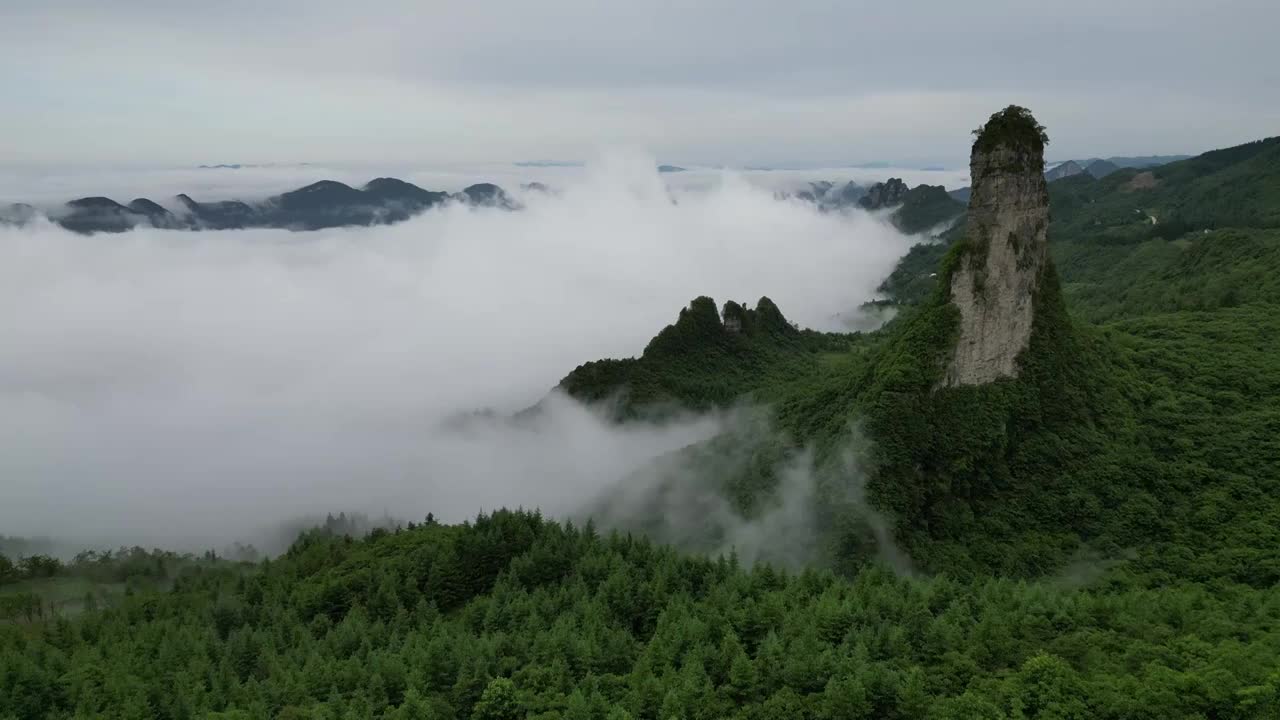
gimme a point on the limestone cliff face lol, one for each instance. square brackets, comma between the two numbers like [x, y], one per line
[995, 281]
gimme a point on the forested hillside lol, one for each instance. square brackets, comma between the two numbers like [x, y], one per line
[512, 616]
[1151, 396]
[1097, 537]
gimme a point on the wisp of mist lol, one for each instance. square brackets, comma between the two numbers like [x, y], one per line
[193, 387]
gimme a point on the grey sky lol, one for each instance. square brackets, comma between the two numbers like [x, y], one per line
[145, 82]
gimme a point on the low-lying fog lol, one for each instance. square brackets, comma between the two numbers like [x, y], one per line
[191, 388]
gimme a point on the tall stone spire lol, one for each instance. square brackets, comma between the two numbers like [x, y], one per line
[995, 281]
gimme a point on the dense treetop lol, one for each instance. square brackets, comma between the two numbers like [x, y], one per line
[1013, 127]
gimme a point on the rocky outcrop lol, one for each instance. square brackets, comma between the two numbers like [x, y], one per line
[884, 194]
[995, 279]
[733, 315]
[737, 318]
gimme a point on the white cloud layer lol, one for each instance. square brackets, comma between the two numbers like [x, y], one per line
[163, 384]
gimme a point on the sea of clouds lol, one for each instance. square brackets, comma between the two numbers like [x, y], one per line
[192, 387]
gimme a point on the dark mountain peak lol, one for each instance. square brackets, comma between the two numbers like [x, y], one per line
[320, 194]
[769, 317]
[96, 203]
[390, 186]
[738, 318]
[1101, 168]
[482, 191]
[98, 214]
[884, 194]
[322, 204]
[147, 207]
[830, 196]
[220, 215]
[925, 191]
[387, 189]
[701, 311]
[1067, 169]
[486, 194]
[158, 215]
[849, 193]
[322, 186]
[733, 316]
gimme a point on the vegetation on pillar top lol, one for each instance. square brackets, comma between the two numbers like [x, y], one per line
[1014, 127]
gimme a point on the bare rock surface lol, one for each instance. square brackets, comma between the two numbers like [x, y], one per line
[995, 282]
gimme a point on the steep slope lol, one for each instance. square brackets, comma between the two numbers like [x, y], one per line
[706, 359]
[926, 207]
[986, 404]
[982, 472]
[1182, 356]
[884, 194]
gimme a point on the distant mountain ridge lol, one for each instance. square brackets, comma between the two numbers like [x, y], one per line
[320, 205]
[1097, 168]
[1065, 170]
[1102, 167]
[1141, 162]
[912, 210]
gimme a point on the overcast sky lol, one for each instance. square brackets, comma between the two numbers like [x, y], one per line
[162, 83]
